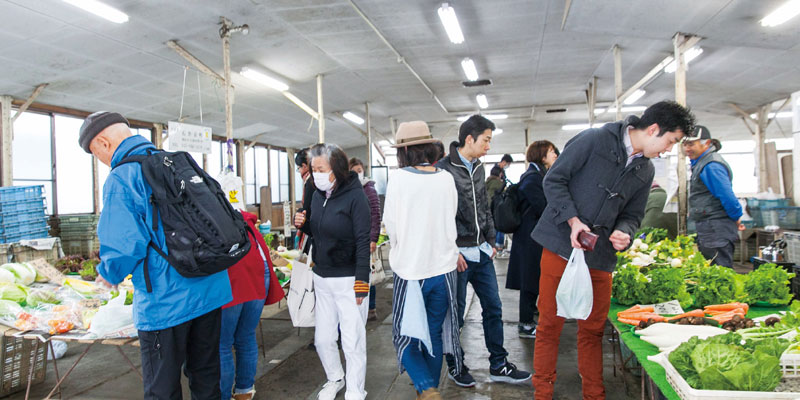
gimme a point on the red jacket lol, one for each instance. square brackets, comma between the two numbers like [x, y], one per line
[247, 276]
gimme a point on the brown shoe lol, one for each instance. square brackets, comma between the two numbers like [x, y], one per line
[430, 394]
[245, 396]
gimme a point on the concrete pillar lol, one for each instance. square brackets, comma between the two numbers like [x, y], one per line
[796, 150]
[617, 80]
[321, 120]
[760, 152]
[368, 172]
[6, 138]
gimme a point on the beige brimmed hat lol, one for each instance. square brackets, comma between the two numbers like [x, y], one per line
[413, 133]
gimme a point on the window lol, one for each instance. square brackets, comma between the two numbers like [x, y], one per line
[279, 182]
[262, 178]
[74, 186]
[215, 159]
[250, 182]
[283, 163]
[32, 153]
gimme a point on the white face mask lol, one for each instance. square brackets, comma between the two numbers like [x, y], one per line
[322, 181]
[361, 176]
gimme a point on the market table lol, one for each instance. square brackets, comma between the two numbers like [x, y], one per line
[119, 342]
[642, 349]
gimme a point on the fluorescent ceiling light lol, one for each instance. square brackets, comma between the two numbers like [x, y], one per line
[634, 97]
[469, 69]
[100, 9]
[482, 101]
[690, 55]
[787, 11]
[782, 114]
[448, 16]
[353, 118]
[598, 111]
[490, 116]
[497, 131]
[264, 79]
[580, 127]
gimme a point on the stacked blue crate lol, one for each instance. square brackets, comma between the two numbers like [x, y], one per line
[22, 213]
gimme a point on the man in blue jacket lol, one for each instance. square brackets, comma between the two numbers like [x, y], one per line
[712, 204]
[179, 320]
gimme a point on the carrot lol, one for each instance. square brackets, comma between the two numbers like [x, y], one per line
[637, 308]
[693, 313]
[728, 306]
[629, 321]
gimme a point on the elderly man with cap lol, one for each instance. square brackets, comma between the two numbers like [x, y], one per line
[179, 320]
[712, 204]
[420, 219]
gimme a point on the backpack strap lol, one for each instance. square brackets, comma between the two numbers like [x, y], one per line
[146, 270]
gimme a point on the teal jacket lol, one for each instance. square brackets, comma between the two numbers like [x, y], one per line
[125, 229]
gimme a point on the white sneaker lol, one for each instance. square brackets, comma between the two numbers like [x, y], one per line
[330, 389]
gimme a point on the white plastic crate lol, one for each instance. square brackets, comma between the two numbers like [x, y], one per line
[686, 392]
[792, 252]
[790, 365]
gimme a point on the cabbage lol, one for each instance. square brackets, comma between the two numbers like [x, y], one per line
[13, 292]
[25, 275]
[38, 297]
[7, 276]
[9, 309]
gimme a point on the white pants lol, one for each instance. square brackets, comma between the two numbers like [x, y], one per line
[336, 309]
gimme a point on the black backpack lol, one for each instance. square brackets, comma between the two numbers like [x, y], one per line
[204, 233]
[507, 208]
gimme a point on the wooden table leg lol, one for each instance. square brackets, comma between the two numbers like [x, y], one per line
[55, 363]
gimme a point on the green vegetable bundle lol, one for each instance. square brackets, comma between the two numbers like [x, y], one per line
[724, 363]
[718, 285]
[628, 286]
[769, 283]
[667, 284]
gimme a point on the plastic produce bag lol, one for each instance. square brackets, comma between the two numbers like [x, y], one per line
[574, 295]
[231, 184]
[112, 317]
[301, 300]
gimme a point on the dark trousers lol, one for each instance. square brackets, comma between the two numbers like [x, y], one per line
[720, 255]
[484, 281]
[527, 306]
[192, 345]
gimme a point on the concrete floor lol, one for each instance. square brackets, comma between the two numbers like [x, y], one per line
[291, 369]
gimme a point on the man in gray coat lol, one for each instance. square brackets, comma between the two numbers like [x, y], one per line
[600, 184]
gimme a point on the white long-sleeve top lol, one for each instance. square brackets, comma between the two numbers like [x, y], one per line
[420, 219]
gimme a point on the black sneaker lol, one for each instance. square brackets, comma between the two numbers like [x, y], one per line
[527, 331]
[510, 374]
[464, 379]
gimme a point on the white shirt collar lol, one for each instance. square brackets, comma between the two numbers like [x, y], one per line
[629, 146]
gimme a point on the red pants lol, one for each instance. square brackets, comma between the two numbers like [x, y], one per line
[590, 331]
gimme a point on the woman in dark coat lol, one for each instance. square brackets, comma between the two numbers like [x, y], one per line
[523, 267]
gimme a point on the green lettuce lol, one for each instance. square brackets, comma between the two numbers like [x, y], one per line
[628, 286]
[769, 283]
[13, 292]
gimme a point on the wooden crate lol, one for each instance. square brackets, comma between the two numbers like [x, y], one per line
[17, 357]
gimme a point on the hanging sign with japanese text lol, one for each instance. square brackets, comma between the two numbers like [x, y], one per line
[188, 137]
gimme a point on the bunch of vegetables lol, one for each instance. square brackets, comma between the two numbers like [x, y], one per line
[769, 283]
[719, 285]
[726, 362]
[628, 285]
[75, 264]
[69, 264]
[667, 284]
[89, 269]
[652, 235]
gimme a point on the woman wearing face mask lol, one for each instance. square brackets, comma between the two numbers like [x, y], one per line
[375, 231]
[523, 266]
[339, 221]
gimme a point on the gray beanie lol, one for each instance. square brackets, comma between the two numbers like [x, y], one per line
[95, 123]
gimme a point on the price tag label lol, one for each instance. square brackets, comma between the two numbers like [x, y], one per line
[91, 303]
[45, 269]
[670, 307]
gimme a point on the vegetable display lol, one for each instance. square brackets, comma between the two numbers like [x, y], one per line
[725, 362]
[769, 283]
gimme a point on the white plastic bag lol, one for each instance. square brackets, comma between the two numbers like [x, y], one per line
[377, 274]
[301, 301]
[574, 295]
[113, 317]
[231, 184]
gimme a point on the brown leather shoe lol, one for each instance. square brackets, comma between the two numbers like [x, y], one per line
[430, 394]
[245, 396]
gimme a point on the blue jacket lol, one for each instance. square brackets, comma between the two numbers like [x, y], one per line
[125, 229]
[715, 177]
